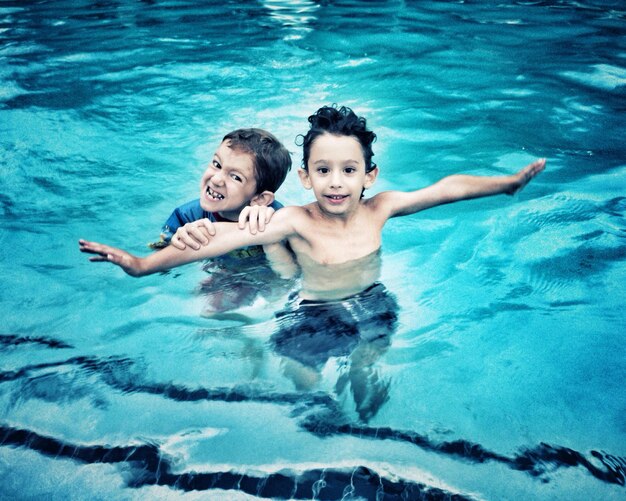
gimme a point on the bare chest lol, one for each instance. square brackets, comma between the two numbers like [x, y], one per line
[334, 243]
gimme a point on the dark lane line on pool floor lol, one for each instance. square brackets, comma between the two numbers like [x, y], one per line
[318, 413]
[148, 466]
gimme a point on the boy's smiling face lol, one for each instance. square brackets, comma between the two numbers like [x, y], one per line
[336, 173]
[229, 183]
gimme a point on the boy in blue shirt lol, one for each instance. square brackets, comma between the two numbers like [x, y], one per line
[246, 170]
[238, 185]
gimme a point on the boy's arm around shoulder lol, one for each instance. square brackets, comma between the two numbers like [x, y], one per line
[455, 188]
[231, 236]
[228, 237]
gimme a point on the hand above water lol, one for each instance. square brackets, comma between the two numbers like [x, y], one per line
[105, 253]
[198, 233]
[194, 234]
[257, 216]
[524, 176]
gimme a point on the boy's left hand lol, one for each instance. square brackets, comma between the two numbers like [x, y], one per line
[523, 177]
[257, 216]
[194, 234]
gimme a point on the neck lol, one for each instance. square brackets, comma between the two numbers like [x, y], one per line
[226, 216]
[343, 219]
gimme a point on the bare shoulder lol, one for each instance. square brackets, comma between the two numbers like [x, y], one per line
[382, 198]
[383, 202]
[292, 218]
[297, 224]
[297, 212]
[291, 212]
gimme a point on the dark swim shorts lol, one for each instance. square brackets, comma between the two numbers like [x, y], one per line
[313, 331]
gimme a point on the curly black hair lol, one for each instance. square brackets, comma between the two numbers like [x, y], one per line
[342, 122]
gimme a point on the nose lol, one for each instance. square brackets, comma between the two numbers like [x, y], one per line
[335, 180]
[217, 178]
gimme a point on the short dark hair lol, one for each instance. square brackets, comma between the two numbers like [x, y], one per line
[342, 122]
[272, 161]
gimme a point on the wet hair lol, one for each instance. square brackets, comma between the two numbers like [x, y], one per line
[340, 122]
[272, 161]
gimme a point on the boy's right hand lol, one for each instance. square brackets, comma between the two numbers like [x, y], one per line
[194, 234]
[523, 177]
[257, 216]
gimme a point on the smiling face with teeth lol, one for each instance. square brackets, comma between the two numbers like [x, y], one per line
[336, 174]
[229, 183]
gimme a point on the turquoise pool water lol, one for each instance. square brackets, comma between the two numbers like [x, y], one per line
[504, 377]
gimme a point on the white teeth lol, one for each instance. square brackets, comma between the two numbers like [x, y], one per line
[214, 195]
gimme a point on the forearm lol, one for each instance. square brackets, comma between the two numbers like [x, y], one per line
[463, 187]
[165, 259]
[139, 266]
[281, 260]
[449, 189]
[172, 257]
[228, 237]
[459, 187]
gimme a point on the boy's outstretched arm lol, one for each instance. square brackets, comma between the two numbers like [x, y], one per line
[167, 258]
[228, 237]
[460, 187]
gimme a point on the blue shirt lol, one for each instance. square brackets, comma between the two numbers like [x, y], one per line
[234, 279]
[192, 211]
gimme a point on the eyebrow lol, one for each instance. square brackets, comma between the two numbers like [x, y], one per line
[322, 161]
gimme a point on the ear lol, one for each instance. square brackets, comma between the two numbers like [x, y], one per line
[264, 198]
[370, 178]
[304, 178]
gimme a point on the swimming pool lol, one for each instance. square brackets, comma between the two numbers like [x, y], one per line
[504, 377]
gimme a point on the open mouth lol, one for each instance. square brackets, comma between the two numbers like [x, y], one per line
[214, 194]
[336, 199]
